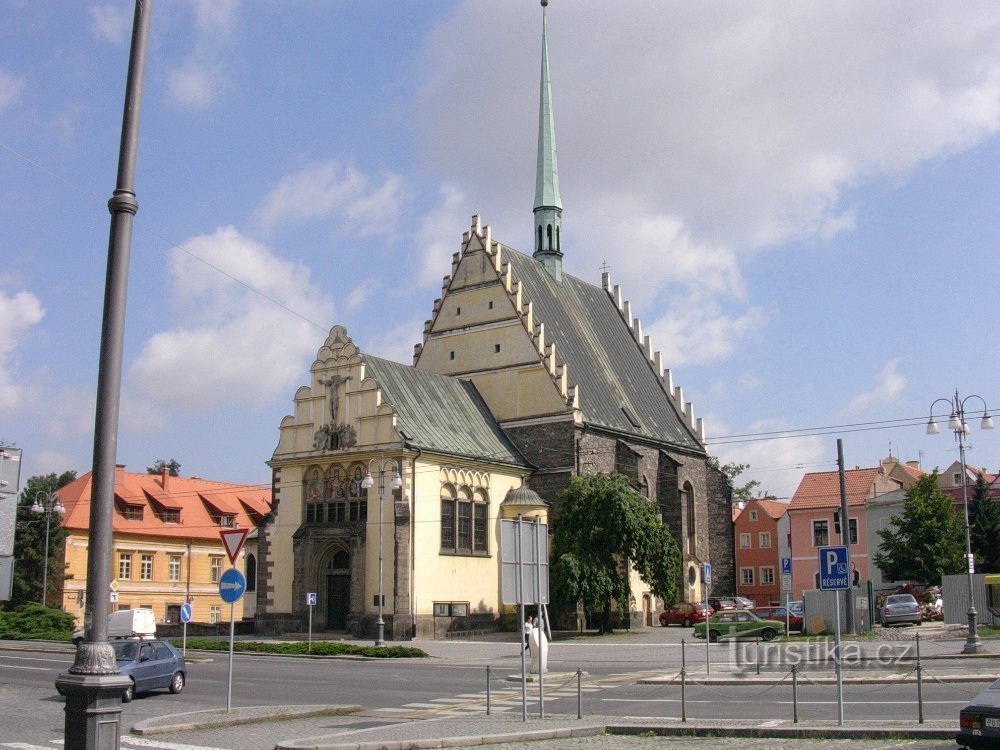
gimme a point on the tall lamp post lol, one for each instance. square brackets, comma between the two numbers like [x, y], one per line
[395, 483]
[958, 425]
[52, 504]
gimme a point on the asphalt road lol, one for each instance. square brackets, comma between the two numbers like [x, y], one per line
[397, 690]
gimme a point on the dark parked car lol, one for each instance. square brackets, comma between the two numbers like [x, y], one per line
[743, 603]
[900, 608]
[150, 663]
[718, 603]
[684, 614]
[979, 722]
[779, 613]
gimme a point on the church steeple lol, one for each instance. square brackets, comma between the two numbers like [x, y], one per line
[548, 204]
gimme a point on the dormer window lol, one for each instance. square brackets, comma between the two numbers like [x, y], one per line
[227, 520]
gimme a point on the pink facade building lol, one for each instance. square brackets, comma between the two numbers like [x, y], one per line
[814, 521]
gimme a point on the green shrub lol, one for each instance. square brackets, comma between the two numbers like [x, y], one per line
[297, 648]
[35, 622]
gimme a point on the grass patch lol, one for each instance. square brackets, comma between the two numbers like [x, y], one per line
[989, 631]
[298, 648]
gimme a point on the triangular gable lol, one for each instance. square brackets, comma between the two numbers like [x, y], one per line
[163, 499]
[257, 505]
[222, 502]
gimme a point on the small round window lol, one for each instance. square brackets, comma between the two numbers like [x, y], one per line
[692, 575]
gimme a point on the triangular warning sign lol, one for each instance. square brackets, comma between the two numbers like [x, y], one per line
[232, 540]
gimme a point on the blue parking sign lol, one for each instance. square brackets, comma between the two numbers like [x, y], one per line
[834, 569]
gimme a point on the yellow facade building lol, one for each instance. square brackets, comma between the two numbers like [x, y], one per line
[166, 544]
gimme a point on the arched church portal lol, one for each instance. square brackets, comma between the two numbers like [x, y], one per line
[338, 590]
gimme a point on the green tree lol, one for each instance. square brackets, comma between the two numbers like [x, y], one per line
[173, 468]
[984, 526]
[928, 540]
[742, 493]
[602, 527]
[29, 541]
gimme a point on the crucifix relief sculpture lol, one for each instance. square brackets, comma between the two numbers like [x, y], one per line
[333, 436]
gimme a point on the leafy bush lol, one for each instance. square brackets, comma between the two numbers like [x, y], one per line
[297, 648]
[35, 622]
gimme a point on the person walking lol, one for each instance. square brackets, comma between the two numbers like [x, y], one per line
[528, 627]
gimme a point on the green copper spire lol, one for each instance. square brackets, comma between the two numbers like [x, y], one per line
[548, 203]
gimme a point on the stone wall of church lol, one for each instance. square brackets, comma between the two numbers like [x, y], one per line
[721, 532]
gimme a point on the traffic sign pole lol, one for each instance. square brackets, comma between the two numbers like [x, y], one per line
[232, 637]
[706, 577]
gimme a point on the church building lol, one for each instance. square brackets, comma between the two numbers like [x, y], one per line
[392, 479]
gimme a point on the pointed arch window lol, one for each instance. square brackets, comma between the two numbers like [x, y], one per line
[251, 572]
[687, 494]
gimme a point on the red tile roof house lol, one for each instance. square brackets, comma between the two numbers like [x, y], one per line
[761, 533]
[814, 516]
[166, 543]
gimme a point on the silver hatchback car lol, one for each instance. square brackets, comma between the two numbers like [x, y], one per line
[899, 609]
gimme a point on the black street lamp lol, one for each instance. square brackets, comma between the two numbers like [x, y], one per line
[52, 504]
[396, 483]
[958, 425]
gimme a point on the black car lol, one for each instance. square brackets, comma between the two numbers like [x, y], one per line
[979, 722]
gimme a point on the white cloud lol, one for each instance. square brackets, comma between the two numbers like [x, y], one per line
[112, 23]
[397, 343]
[194, 84]
[326, 188]
[215, 16]
[19, 314]
[778, 462]
[437, 238]
[888, 387]
[362, 293]
[10, 89]
[231, 344]
[201, 78]
[697, 331]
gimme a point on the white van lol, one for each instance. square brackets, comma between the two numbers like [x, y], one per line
[126, 623]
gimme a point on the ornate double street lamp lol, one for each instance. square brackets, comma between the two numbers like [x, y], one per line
[958, 425]
[47, 503]
[395, 483]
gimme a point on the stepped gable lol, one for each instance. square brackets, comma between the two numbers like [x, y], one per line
[440, 413]
[611, 370]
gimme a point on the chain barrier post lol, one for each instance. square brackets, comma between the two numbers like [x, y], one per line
[920, 687]
[795, 695]
[487, 689]
[683, 682]
[579, 693]
[757, 655]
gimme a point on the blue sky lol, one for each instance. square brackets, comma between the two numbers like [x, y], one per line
[800, 200]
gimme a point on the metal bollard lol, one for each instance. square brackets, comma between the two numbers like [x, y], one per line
[683, 683]
[487, 689]
[579, 693]
[757, 655]
[920, 687]
[795, 696]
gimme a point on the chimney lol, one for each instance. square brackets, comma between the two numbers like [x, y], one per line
[165, 479]
[119, 473]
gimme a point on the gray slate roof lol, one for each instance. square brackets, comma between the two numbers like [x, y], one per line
[441, 414]
[592, 337]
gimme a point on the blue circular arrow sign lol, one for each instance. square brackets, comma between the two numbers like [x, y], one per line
[185, 612]
[232, 584]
